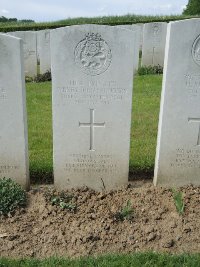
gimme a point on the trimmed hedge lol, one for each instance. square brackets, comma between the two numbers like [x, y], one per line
[112, 21]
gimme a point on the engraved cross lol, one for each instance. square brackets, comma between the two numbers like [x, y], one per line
[153, 54]
[196, 120]
[92, 125]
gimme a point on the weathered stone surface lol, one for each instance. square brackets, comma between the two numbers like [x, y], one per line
[141, 25]
[178, 146]
[43, 48]
[154, 39]
[137, 35]
[92, 72]
[38, 44]
[13, 131]
[30, 51]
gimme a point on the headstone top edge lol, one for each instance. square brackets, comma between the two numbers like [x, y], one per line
[156, 22]
[7, 36]
[184, 21]
[91, 26]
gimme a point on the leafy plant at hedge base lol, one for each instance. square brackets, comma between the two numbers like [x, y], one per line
[12, 196]
[125, 213]
[178, 201]
[45, 77]
[145, 70]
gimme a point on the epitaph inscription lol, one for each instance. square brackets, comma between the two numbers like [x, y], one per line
[186, 158]
[6, 169]
[92, 54]
[91, 163]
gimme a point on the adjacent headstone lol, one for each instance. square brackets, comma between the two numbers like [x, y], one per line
[43, 48]
[154, 39]
[38, 46]
[178, 148]
[137, 33]
[13, 130]
[92, 78]
[141, 25]
[30, 51]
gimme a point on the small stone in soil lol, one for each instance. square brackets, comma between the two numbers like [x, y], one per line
[168, 243]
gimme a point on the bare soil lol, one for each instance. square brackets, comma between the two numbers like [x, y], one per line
[42, 230]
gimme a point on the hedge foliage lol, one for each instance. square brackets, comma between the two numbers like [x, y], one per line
[107, 20]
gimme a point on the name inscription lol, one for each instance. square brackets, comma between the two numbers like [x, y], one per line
[192, 82]
[92, 92]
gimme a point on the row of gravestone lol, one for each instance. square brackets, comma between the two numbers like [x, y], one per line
[92, 78]
[37, 46]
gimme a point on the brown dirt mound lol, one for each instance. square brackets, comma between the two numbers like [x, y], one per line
[42, 230]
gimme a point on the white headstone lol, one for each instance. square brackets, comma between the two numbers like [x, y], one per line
[141, 25]
[30, 51]
[178, 148]
[38, 46]
[92, 78]
[154, 39]
[137, 33]
[13, 130]
[43, 47]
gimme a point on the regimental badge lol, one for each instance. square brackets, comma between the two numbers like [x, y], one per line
[196, 50]
[93, 54]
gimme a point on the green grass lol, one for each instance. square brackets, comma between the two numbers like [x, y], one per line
[134, 260]
[39, 111]
[146, 98]
[145, 112]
